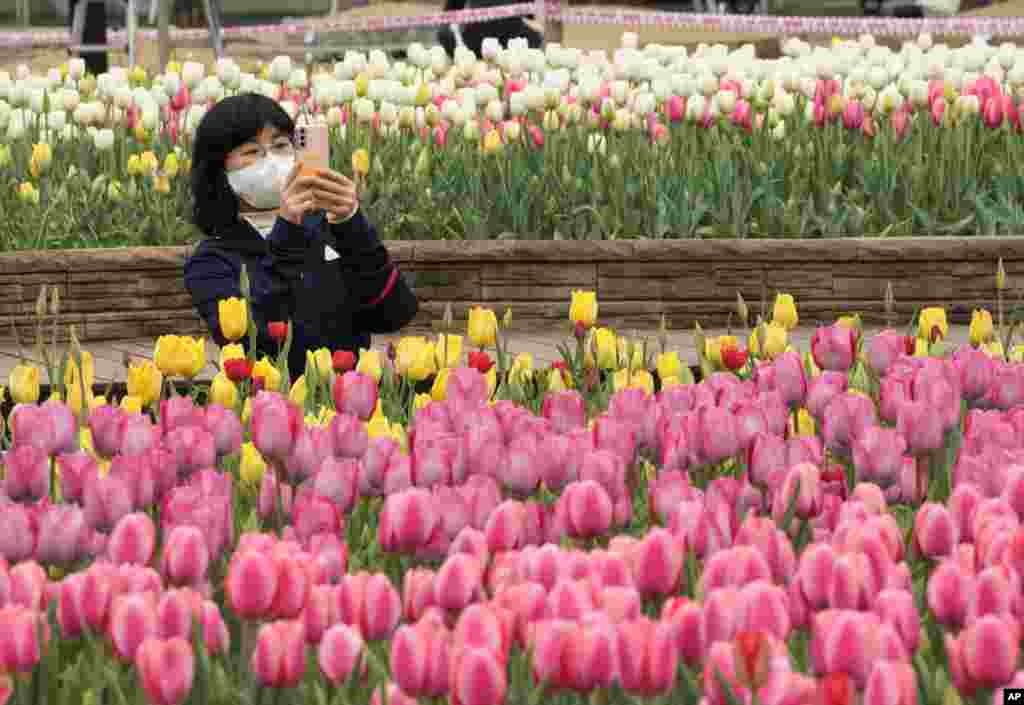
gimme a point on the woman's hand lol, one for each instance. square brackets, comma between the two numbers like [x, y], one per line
[336, 194]
[297, 198]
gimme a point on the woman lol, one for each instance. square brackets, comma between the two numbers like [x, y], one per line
[311, 256]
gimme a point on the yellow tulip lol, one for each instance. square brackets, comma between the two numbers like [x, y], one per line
[297, 395]
[607, 348]
[448, 350]
[145, 382]
[774, 340]
[439, 390]
[631, 353]
[921, 348]
[131, 404]
[620, 380]
[784, 312]
[932, 321]
[320, 360]
[252, 465]
[162, 184]
[421, 401]
[73, 384]
[483, 327]
[668, 365]
[180, 355]
[3, 391]
[97, 402]
[270, 374]
[148, 163]
[370, 363]
[247, 411]
[361, 162]
[234, 318]
[522, 368]
[805, 423]
[642, 379]
[1016, 353]
[415, 358]
[668, 382]
[223, 391]
[232, 351]
[42, 157]
[137, 74]
[506, 320]
[27, 193]
[134, 165]
[583, 308]
[171, 165]
[981, 330]
[362, 84]
[492, 142]
[556, 382]
[24, 381]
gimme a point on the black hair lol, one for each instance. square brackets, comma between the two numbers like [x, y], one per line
[229, 124]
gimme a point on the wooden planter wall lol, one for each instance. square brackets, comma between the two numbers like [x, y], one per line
[131, 293]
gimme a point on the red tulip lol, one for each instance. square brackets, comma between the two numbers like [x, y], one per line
[836, 689]
[278, 330]
[343, 360]
[733, 358]
[480, 361]
[238, 369]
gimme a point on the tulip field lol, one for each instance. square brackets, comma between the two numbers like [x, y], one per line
[850, 139]
[442, 521]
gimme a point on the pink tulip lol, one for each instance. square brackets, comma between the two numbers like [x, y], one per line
[458, 582]
[393, 695]
[767, 460]
[106, 423]
[20, 647]
[878, 455]
[73, 468]
[657, 563]
[374, 466]
[193, 448]
[349, 436]
[847, 418]
[976, 372]
[174, 613]
[355, 393]
[647, 657]
[133, 540]
[312, 447]
[276, 424]
[279, 660]
[891, 683]
[884, 349]
[734, 567]
[407, 521]
[935, 532]
[790, 378]
[26, 473]
[833, 347]
[764, 608]
[185, 556]
[63, 536]
[370, 603]
[716, 434]
[251, 584]
[588, 509]
[341, 654]
[478, 678]
[845, 641]
[822, 390]
[225, 427]
[615, 436]
[802, 484]
[984, 655]
[901, 122]
[166, 669]
[106, 500]
[506, 527]
[17, 532]
[132, 620]
[853, 116]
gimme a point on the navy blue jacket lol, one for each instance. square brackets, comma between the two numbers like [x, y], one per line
[334, 304]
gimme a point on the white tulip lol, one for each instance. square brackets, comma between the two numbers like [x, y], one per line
[22, 72]
[56, 120]
[76, 68]
[517, 104]
[297, 79]
[36, 99]
[280, 69]
[103, 139]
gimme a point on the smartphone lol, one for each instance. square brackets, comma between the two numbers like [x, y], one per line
[314, 146]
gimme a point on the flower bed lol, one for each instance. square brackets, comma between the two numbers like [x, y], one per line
[138, 292]
[443, 522]
[836, 141]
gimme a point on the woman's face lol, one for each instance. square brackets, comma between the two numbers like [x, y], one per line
[270, 140]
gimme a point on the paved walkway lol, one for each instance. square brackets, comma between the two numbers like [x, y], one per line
[109, 356]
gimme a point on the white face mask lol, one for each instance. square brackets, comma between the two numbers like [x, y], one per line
[261, 182]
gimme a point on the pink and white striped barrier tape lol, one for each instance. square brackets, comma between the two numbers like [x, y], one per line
[376, 23]
[756, 24]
